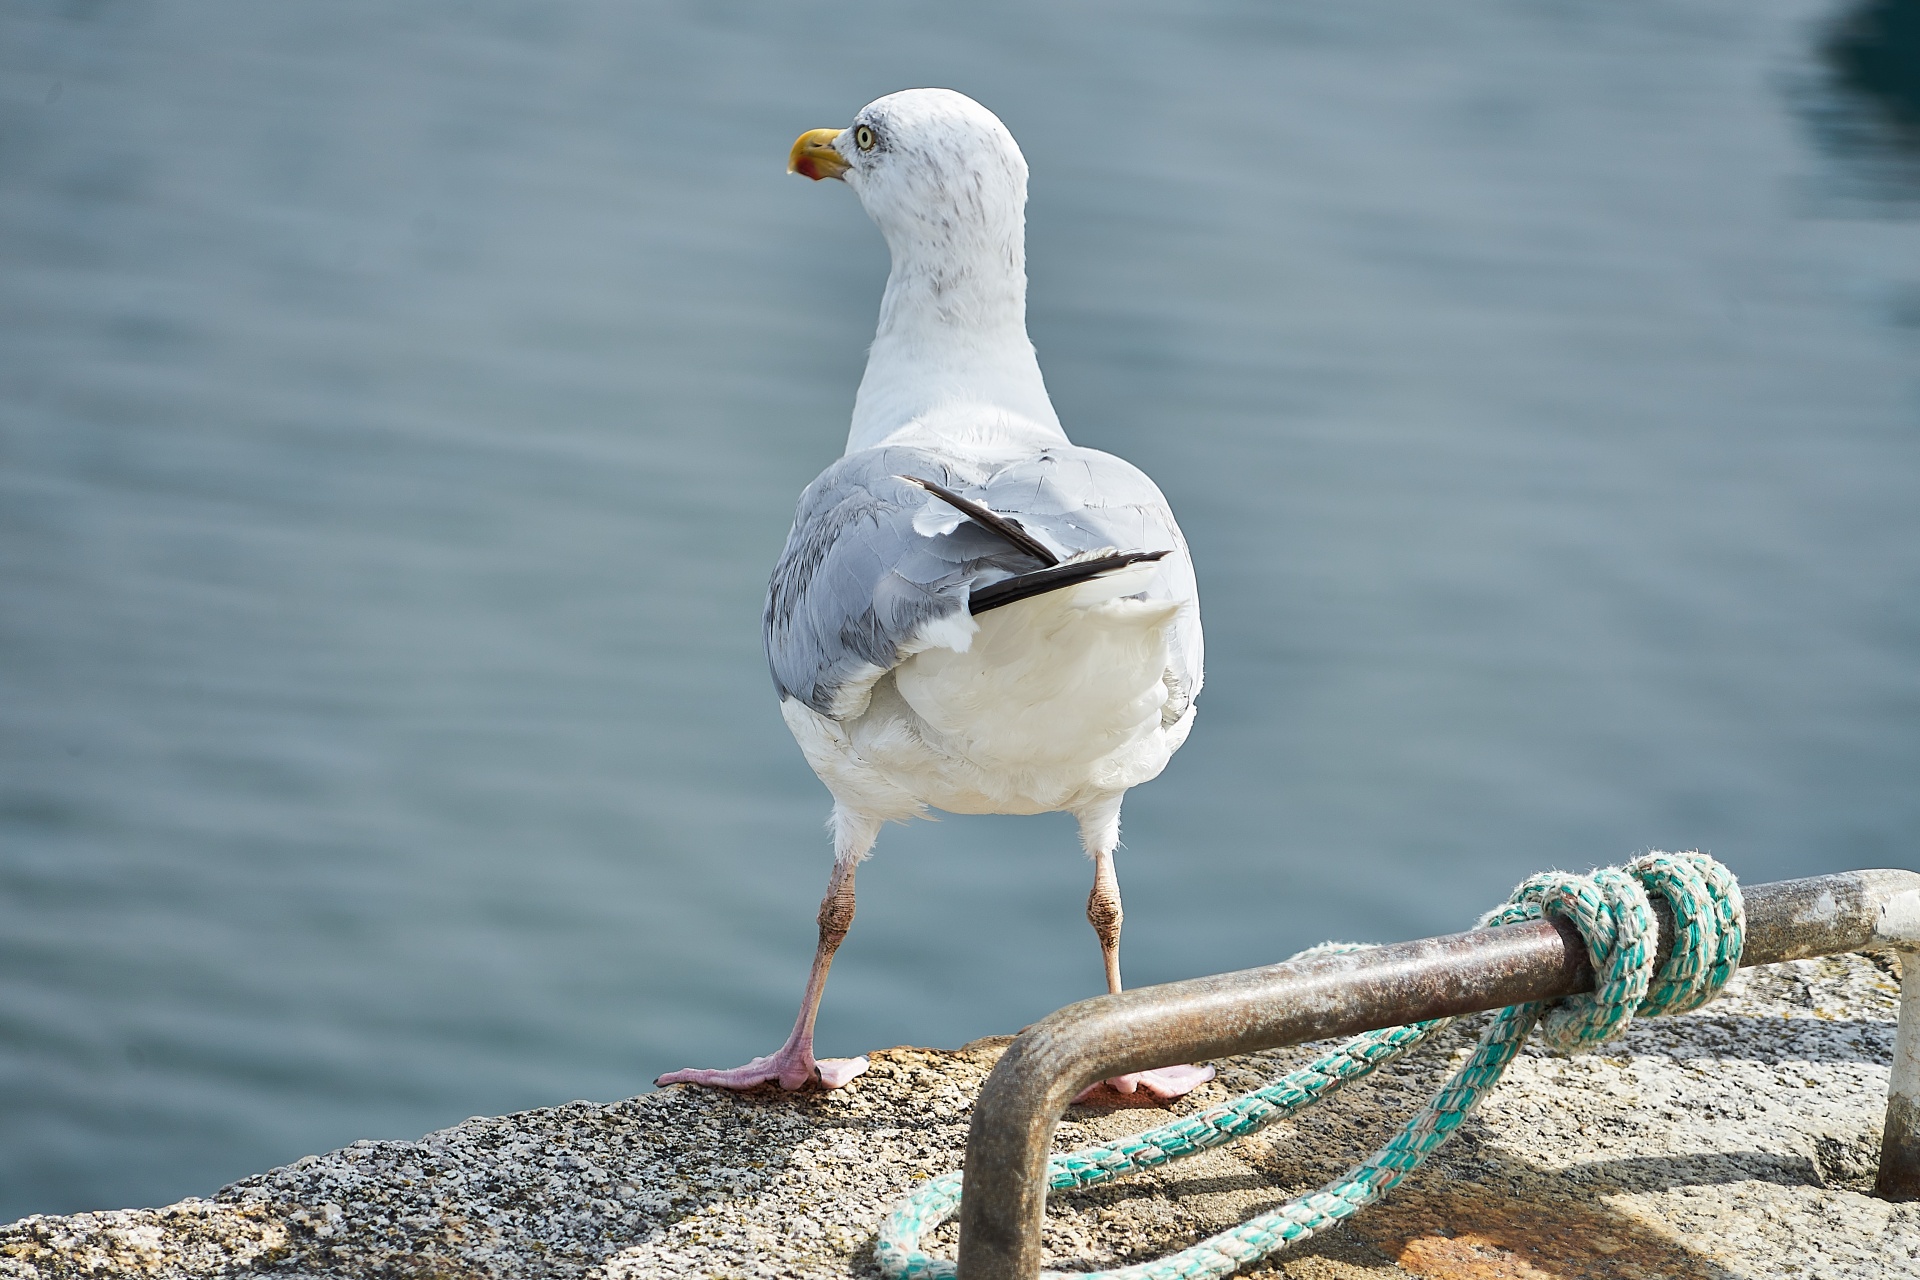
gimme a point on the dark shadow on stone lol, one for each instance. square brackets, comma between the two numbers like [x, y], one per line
[1448, 1228]
[1709, 1169]
[1508, 1219]
[1770, 1040]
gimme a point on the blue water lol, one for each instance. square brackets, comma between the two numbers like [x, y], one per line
[401, 407]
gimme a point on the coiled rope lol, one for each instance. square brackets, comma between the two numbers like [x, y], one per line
[1610, 908]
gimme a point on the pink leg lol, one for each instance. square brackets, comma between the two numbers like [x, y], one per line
[793, 1064]
[1101, 833]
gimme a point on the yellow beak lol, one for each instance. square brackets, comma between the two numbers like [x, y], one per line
[813, 155]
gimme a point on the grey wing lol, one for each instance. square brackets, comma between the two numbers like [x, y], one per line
[859, 587]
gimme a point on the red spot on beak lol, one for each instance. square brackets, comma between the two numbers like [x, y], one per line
[813, 155]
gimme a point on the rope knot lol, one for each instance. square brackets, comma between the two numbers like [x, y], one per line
[1611, 909]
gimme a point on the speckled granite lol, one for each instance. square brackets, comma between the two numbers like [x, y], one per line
[1735, 1142]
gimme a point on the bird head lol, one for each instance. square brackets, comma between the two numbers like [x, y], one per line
[926, 164]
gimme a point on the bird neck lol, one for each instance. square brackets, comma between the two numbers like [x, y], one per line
[952, 345]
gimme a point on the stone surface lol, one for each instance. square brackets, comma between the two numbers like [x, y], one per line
[1732, 1143]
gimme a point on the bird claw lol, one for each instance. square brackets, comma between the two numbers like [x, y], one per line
[791, 1068]
[1164, 1083]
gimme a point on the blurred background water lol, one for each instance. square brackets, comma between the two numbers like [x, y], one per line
[401, 407]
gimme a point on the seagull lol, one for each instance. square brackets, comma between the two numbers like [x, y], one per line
[972, 613]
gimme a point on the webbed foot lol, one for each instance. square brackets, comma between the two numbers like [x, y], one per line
[792, 1066]
[1165, 1083]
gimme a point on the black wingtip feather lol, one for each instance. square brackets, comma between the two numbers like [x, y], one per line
[992, 520]
[1026, 585]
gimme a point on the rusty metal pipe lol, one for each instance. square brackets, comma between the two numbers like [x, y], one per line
[1899, 1175]
[1341, 995]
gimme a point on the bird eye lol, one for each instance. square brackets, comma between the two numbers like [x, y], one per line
[863, 138]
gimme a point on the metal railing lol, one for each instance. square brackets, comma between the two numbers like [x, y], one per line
[1341, 995]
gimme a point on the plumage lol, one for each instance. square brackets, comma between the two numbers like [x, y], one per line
[867, 577]
[1006, 526]
[1039, 582]
[971, 613]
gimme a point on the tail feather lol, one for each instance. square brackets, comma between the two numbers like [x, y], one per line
[1025, 585]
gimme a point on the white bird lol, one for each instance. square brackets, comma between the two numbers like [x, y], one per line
[972, 613]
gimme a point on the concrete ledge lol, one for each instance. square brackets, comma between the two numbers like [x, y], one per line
[1738, 1142]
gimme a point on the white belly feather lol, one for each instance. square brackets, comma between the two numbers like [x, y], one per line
[1059, 702]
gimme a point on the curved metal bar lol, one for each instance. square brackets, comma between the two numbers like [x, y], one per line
[1341, 995]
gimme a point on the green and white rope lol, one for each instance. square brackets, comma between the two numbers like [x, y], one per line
[1611, 910]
